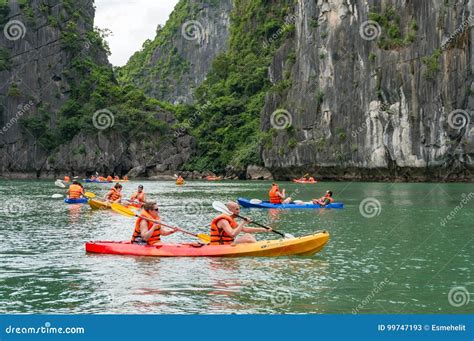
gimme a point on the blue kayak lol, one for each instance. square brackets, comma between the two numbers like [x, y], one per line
[75, 201]
[97, 181]
[265, 204]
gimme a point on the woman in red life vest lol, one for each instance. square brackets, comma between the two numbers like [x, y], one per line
[115, 194]
[277, 197]
[325, 200]
[224, 228]
[149, 232]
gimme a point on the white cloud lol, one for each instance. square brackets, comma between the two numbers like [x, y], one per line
[131, 22]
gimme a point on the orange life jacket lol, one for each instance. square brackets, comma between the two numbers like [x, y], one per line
[274, 197]
[218, 234]
[75, 191]
[138, 196]
[109, 178]
[114, 195]
[101, 178]
[67, 179]
[155, 237]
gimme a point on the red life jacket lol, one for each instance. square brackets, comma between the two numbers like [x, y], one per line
[274, 197]
[218, 234]
[155, 237]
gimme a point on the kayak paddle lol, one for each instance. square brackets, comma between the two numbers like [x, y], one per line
[129, 213]
[59, 183]
[56, 196]
[89, 195]
[221, 207]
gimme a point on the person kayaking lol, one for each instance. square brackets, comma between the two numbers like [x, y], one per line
[109, 178]
[115, 194]
[125, 178]
[93, 178]
[147, 232]
[101, 178]
[224, 228]
[116, 178]
[75, 190]
[311, 179]
[277, 197]
[179, 180]
[325, 200]
[138, 197]
[67, 178]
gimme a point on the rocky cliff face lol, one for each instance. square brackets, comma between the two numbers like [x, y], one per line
[173, 65]
[374, 90]
[40, 47]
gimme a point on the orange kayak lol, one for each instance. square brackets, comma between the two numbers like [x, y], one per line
[305, 245]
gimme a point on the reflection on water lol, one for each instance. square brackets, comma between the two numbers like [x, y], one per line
[44, 267]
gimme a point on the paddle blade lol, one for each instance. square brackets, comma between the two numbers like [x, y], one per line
[122, 210]
[56, 196]
[204, 238]
[255, 201]
[59, 183]
[221, 207]
[89, 195]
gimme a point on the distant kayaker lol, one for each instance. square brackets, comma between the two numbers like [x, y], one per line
[125, 178]
[138, 196]
[180, 180]
[116, 178]
[277, 197]
[109, 178]
[311, 179]
[325, 200]
[67, 179]
[148, 232]
[115, 193]
[75, 190]
[224, 228]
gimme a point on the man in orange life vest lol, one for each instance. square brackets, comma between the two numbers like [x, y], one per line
[139, 196]
[277, 197]
[325, 200]
[75, 191]
[115, 194]
[224, 228]
[149, 232]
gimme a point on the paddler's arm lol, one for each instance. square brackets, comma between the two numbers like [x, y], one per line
[165, 231]
[224, 224]
[145, 232]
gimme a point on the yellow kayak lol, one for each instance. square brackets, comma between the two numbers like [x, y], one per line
[98, 204]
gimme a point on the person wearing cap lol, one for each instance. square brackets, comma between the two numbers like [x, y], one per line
[277, 197]
[325, 200]
[139, 196]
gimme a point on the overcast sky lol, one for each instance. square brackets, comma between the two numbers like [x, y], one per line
[132, 22]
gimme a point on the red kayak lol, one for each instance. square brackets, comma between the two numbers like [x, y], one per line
[305, 245]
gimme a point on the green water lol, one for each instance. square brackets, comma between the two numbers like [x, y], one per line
[401, 260]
